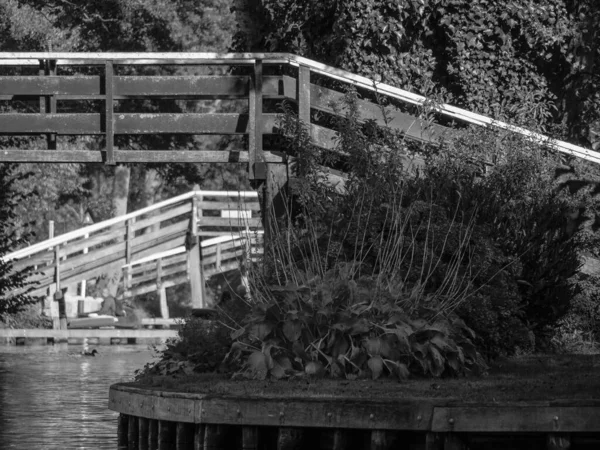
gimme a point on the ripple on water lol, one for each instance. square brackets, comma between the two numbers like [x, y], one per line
[53, 398]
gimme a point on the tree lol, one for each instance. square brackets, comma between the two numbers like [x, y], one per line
[534, 63]
[10, 239]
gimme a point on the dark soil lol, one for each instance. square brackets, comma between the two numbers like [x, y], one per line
[529, 378]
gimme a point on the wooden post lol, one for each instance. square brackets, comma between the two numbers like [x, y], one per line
[256, 164]
[453, 442]
[58, 295]
[48, 102]
[558, 441]
[133, 431]
[122, 434]
[153, 434]
[143, 433]
[195, 269]
[83, 290]
[249, 438]
[433, 441]
[379, 440]
[164, 307]
[166, 435]
[199, 437]
[290, 438]
[335, 439]
[304, 96]
[214, 437]
[184, 439]
[129, 235]
[109, 113]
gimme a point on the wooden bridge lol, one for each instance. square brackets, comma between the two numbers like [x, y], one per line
[108, 96]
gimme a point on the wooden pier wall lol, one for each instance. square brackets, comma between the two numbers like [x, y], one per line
[153, 419]
[93, 337]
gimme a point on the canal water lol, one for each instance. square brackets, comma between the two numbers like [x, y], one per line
[52, 397]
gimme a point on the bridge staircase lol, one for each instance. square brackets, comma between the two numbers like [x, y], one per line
[154, 248]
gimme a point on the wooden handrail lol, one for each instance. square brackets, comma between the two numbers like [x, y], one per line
[80, 233]
[64, 58]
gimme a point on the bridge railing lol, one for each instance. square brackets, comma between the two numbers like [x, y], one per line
[51, 81]
[172, 226]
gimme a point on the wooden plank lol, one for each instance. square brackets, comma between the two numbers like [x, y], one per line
[152, 287]
[166, 435]
[317, 413]
[379, 440]
[109, 117]
[132, 156]
[229, 222]
[153, 434]
[23, 85]
[91, 333]
[234, 205]
[255, 125]
[143, 433]
[199, 437]
[133, 430]
[122, 431]
[290, 438]
[152, 275]
[161, 407]
[434, 441]
[196, 86]
[184, 436]
[162, 216]
[540, 419]
[249, 438]
[322, 98]
[333, 439]
[151, 265]
[304, 94]
[453, 442]
[131, 123]
[214, 437]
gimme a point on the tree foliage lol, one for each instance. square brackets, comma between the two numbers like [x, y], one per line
[533, 63]
[10, 239]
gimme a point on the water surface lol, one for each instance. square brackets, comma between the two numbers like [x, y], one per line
[51, 397]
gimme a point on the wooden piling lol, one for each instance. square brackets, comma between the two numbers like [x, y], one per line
[166, 435]
[133, 430]
[290, 438]
[143, 433]
[433, 441]
[152, 434]
[122, 425]
[214, 437]
[335, 439]
[184, 436]
[453, 442]
[199, 437]
[249, 438]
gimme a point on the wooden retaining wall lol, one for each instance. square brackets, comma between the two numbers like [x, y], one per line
[153, 419]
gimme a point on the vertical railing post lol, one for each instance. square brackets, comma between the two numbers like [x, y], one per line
[58, 295]
[304, 96]
[256, 161]
[48, 102]
[109, 113]
[195, 269]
